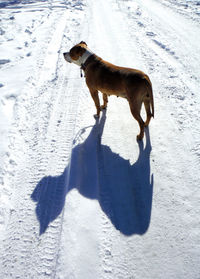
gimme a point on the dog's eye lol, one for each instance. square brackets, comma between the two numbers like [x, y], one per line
[79, 49]
[75, 52]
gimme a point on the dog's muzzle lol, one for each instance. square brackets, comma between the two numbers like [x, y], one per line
[67, 57]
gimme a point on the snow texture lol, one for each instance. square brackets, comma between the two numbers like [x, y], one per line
[80, 197]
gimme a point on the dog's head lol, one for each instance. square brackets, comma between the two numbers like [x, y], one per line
[78, 54]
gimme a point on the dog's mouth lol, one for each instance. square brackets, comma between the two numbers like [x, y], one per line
[67, 57]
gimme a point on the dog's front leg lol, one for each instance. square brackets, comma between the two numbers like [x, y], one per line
[95, 97]
[105, 101]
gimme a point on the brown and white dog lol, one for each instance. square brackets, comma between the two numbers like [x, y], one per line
[100, 75]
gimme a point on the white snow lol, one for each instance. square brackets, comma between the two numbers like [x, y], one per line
[79, 197]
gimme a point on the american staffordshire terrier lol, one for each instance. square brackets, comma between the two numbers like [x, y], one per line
[109, 79]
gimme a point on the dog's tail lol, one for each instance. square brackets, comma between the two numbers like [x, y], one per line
[151, 99]
[150, 93]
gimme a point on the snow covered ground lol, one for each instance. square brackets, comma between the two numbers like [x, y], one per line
[79, 197]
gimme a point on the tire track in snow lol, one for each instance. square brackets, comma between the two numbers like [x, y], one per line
[178, 83]
[175, 128]
[48, 112]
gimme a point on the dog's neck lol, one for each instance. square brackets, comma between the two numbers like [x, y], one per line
[88, 57]
[87, 61]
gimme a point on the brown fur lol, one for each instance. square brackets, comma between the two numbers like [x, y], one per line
[132, 84]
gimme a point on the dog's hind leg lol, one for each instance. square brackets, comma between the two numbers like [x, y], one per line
[135, 110]
[95, 97]
[105, 101]
[148, 112]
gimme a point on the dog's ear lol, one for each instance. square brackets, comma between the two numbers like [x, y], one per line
[82, 42]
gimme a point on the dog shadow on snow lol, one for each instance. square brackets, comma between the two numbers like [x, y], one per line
[124, 191]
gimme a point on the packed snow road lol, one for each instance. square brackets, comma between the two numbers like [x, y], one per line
[81, 198]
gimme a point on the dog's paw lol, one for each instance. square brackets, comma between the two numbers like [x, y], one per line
[96, 116]
[103, 107]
